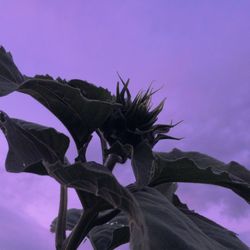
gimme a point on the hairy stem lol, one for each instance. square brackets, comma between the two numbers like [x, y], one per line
[61, 222]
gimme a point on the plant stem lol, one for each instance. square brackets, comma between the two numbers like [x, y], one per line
[82, 151]
[82, 228]
[88, 218]
[111, 161]
[103, 145]
[61, 221]
[106, 217]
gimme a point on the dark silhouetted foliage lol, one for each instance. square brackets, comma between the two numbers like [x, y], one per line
[148, 214]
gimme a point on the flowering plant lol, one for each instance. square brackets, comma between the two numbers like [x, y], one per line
[147, 213]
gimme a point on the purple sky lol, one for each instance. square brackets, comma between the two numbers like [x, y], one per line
[198, 51]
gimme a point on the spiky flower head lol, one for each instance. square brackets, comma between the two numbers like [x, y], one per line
[135, 120]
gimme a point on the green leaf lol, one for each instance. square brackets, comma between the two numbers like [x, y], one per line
[165, 224]
[167, 227]
[91, 91]
[167, 189]
[178, 166]
[111, 234]
[213, 230]
[30, 144]
[103, 235]
[73, 216]
[95, 179]
[142, 163]
[10, 77]
[80, 115]
[80, 106]
[116, 231]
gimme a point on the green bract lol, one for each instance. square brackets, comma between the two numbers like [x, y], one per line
[135, 120]
[148, 214]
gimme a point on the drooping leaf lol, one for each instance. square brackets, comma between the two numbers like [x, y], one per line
[88, 90]
[215, 231]
[167, 226]
[58, 142]
[91, 91]
[10, 77]
[95, 179]
[30, 144]
[167, 189]
[103, 235]
[178, 166]
[80, 115]
[73, 216]
[111, 234]
[116, 231]
[142, 163]
[89, 200]
[81, 106]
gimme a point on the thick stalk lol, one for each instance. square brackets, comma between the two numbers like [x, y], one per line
[111, 161]
[107, 217]
[88, 218]
[82, 228]
[104, 145]
[61, 221]
[82, 151]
